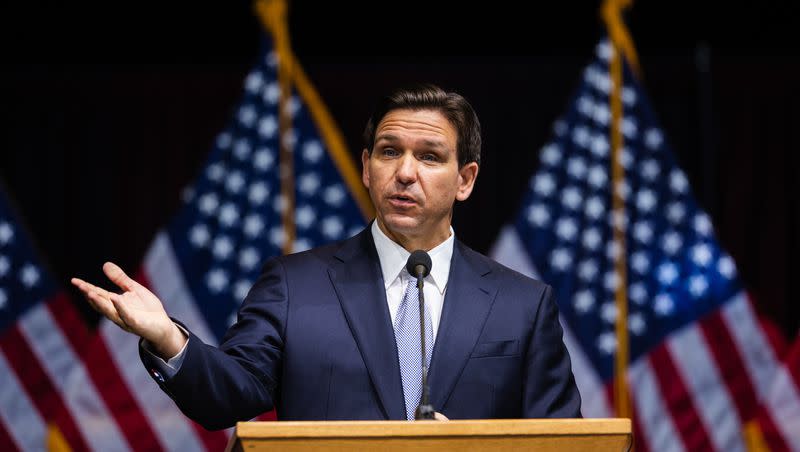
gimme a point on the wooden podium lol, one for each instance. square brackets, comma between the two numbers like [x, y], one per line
[593, 435]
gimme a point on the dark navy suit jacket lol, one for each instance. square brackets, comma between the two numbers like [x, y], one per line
[315, 340]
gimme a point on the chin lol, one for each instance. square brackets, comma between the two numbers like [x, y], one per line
[401, 224]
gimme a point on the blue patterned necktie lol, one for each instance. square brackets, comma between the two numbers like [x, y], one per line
[409, 349]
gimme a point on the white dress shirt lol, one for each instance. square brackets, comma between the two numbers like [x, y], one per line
[393, 259]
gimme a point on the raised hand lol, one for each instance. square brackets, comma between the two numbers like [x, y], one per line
[136, 310]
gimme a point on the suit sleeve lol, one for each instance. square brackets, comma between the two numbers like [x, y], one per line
[549, 383]
[219, 386]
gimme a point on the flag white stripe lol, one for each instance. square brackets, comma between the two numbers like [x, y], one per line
[170, 425]
[695, 363]
[71, 379]
[756, 352]
[783, 404]
[17, 412]
[510, 251]
[166, 278]
[593, 395]
[655, 421]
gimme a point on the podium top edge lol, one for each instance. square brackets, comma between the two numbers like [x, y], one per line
[488, 427]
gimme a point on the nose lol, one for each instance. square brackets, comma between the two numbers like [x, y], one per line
[407, 169]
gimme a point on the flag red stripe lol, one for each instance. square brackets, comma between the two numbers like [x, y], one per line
[771, 331]
[216, 440]
[6, 442]
[730, 364]
[41, 390]
[679, 400]
[105, 376]
[792, 363]
[609, 390]
[271, 415]
[639, 441]
[769, 431]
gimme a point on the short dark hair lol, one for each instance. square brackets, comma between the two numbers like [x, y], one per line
[430, 97]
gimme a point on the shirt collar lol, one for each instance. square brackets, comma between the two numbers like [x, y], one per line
[393, 258]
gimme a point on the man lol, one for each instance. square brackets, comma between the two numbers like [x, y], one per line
[322, 334]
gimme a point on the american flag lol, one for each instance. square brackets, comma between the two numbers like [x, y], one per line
[700, 362]
[48, 395]
[201, 266]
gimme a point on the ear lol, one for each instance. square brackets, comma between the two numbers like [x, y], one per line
[364, 165]
[466, 180]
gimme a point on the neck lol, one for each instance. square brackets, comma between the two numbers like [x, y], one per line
[412, 243]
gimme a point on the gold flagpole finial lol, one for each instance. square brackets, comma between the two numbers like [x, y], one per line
[611, 12]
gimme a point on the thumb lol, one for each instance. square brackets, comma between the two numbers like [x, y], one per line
[120, 278]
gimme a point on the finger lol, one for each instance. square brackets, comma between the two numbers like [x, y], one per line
[87, 288]
[440, 417]
[118, 277]
[127, 283]
[104, 306]
[97, 297]
[101, 300]
[90, 291]
[122, 313]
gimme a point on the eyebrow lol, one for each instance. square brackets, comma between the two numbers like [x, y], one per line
[393, 138]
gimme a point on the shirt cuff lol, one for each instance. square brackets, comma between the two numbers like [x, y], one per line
[171, 366]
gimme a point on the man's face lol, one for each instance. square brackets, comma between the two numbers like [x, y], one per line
[413, 176]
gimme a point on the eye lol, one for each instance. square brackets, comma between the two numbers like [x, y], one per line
[389, 152]
[429, 157]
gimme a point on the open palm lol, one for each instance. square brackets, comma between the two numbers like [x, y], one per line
[136, 309]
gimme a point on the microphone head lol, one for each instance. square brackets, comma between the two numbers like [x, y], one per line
[419, 264]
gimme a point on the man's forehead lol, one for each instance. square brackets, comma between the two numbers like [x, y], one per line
[427, 126]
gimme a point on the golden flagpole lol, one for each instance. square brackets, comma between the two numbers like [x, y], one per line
[622, 46]
[273, 16]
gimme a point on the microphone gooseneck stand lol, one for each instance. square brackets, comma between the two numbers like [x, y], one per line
[420, 263]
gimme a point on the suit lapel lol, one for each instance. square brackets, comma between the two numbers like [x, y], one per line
[467, 304]
[357, 278]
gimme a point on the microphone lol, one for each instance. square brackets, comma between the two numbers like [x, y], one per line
[419, 265]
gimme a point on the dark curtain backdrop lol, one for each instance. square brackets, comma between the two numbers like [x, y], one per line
[106, 119]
